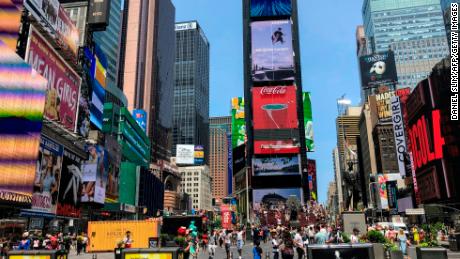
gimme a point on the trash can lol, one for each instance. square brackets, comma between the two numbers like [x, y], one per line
[118, 253]
[454, 242]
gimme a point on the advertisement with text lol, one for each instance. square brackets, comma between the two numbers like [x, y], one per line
[378, 69]
[272, 166]
[268, 147]
[272, 54]
[63, 82]
[274, 107]
[70, 186]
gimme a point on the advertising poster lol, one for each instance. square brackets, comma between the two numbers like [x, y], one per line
[198, 155]
[47, 176]
[141, 118]
[261, 8]
[83, 123]
[383, 101]
[399, 134]
[97, 73]
[392, 193]
[312, 184]
[70, 186]
[272, 166]
[308, 121]
[22, 98]
[229, 163]
[272, 54]
[383, 192]
[226, 214]
[270, 147]
[185, 154]
[378, 69]
[272, 199]
[63, 82]
[94, 175]
[274, 107]
[52, 16]
[238, 122]
[10, 15]
[114, 152]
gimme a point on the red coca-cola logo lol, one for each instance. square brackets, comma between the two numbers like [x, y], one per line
[273, 90]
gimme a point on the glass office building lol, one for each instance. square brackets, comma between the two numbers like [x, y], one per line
[413, 29]
[191, 88]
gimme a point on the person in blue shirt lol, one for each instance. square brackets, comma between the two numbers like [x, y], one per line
[257, 251]
[25, 242]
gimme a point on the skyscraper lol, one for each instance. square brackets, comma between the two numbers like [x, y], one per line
[219, 130]
[413, 29]
[148, 69]
[191, 88]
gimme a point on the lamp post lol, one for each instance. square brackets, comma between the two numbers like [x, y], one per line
[342, 103]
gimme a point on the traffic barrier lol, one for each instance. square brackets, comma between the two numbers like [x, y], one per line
[341, 251]
[37, 254]
[158, 253]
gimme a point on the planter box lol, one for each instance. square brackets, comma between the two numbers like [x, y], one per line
[396, 255]
[431, 253]
[379, 251]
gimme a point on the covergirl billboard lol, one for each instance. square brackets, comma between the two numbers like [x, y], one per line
[274, 107]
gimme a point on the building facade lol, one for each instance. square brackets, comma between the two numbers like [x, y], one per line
[196, 182]
[219, 130]
[148, 69]
[191, 87]
[413, 29]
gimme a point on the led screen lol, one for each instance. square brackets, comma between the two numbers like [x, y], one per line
[272, 166]
[378, 69]
[268, 147]
[63, 82]
[94, 175]
[262, 8]
[308, 122]
[274, 107]
[272, 54]
[22, 100]
[238, 122]
[70, 185]
[272, 199]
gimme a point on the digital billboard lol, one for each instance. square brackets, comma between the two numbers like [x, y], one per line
[312, 184]
[185, 154]
[141, 118]
[47, 176]
[263, 8]
[269, 147]
[238, 122]
[272, 53]
[239, 158]
[10, 15]
[383, 194]
[308, 121]
[63, 82]
[272, 166]
[274, 107]
[97, 73]
[272, 199]
[94, 175]
[70, 186]
[54, 19]
[114, 153]
[22, 100]
[378, 69]
[198, 155]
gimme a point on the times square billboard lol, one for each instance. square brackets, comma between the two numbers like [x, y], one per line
[272, 51]
[276, 165]
[22, 101]
[269, 8]
[274, 107]
[378, 69]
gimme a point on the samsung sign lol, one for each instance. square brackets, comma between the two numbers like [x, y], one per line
[400, 137]
[185, 26]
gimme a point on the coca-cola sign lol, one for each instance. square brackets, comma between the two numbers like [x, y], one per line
[273, 90]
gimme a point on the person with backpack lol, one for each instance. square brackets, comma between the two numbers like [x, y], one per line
[287, 248]
[257, 252]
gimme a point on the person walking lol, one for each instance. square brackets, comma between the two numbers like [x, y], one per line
[240, 242]
[212, 244]
[257, 252]
[128, 241]
[402, 239]
[298, 243]
[228, 242]
[275, 244]
[25, 242]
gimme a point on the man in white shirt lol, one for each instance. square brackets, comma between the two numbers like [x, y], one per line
[298, 243]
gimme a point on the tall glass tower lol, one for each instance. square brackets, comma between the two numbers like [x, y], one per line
[413, 29]
[191, 88]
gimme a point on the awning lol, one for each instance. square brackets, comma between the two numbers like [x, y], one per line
[33, 213]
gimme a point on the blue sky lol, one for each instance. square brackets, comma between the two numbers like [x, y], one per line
[328, 56]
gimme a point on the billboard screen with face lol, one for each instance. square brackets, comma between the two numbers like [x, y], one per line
[378, 69]
[269, 147]
[271, 166]
[94, 175]
[63, 82]
[272, 199]
[274, 107]
[47, 176]
[272, 54]
[263, 8]
[22, 99]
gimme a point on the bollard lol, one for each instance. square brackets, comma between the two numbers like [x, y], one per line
[94, 256]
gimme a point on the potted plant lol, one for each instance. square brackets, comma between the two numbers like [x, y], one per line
[394, 251]
[431, 249]
[378, 240]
